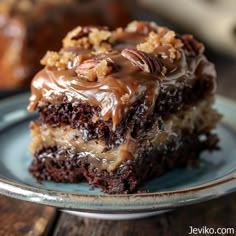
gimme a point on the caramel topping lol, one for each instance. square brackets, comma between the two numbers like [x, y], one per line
[136, 64]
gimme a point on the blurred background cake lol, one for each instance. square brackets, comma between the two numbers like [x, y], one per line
[30, 27]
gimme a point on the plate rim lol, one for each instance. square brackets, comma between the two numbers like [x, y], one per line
[121, 203]
[72, 201]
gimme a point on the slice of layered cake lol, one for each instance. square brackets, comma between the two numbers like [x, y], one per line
[117, 108]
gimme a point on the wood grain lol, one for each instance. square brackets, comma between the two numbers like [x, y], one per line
[216, 213]
[19, 218]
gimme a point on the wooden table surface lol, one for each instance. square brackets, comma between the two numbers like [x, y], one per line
[24, 218]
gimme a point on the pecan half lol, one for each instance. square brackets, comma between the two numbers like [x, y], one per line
[86, 65]
[143, 60]
[96, 68]
[193, 46]
[86, 70]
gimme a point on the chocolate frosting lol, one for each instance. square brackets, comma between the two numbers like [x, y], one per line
[118, 90]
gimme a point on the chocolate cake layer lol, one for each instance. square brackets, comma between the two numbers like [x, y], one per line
[65, 165]
[196, 120]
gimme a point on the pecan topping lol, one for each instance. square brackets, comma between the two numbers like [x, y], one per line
[163, 43]
[93, 69]
[60, 60]
[144, 61]
[77, 38]
[84, 32]
[90, 37]
[193, 46]
[141, 27]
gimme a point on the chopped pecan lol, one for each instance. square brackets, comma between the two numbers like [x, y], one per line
[96, 68]
[73, 40]
[60, 60]
[144, 61]
[163, 43]
[193, 46]
[141, 27]
[89, 37]
[84, 32]
[98, 36]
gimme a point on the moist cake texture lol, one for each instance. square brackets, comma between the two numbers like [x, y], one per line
[117, 108]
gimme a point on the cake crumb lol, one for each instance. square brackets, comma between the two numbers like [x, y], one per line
[125, 98]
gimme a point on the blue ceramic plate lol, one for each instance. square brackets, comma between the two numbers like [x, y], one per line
[216, 175]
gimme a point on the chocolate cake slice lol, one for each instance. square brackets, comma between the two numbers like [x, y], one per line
[117, 108]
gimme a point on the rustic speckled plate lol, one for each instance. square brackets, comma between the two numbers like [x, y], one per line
[216, 175]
